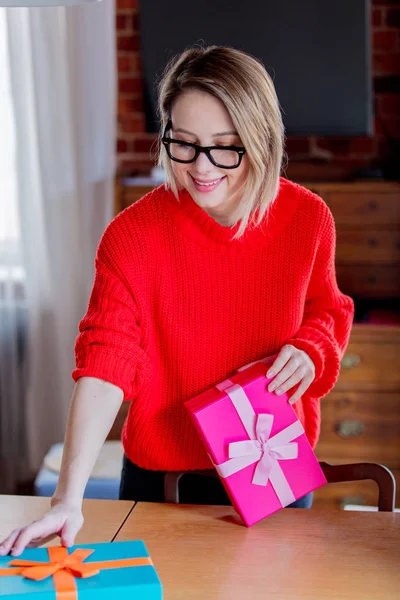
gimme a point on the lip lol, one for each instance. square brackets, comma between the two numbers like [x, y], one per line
[205, 186]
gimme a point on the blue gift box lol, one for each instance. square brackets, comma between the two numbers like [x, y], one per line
[133, 582]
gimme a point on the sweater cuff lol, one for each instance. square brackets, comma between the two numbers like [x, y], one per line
[109, 367]
[326, 359]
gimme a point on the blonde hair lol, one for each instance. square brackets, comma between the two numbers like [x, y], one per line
[241, 82]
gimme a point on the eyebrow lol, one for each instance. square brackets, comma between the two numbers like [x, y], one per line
[214, 134]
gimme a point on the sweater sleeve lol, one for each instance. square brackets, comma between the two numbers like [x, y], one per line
[108, 346]
[328, 315]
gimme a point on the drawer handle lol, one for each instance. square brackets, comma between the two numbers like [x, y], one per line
[349, 361]
[350, 428]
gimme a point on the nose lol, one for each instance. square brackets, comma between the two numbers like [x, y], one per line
[203, 164]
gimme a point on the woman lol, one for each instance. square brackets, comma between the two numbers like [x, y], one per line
[226, 264]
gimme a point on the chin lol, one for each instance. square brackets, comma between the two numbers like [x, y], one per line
[206, 200]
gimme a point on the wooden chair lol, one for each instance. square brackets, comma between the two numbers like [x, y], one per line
[333, 473]
[361, 471]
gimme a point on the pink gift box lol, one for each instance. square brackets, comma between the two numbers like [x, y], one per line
[256, 443]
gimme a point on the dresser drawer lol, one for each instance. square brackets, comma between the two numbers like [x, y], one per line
[369, 280]
[365, 493]
[367, 366]
[364, 208]
[368, 246]
[360, 427]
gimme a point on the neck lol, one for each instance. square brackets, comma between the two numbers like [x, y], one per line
[226, 214]
[221, 217]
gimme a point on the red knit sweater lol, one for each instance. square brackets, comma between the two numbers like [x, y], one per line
[178, 305]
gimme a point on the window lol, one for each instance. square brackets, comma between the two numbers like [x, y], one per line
[10, 250]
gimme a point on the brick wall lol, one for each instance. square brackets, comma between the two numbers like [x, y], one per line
[336, 156]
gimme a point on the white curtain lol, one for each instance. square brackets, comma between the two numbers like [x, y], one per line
[62, 68]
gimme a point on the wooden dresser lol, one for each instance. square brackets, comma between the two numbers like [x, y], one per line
[361, 416]
[367, 217]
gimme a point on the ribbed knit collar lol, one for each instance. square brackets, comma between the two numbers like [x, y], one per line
[196, 224]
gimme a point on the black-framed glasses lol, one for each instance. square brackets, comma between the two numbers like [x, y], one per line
[224, 157]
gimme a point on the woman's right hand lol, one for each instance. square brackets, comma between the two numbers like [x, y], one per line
[94, 406]
[63, 519]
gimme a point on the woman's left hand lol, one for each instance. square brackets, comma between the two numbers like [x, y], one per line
[291, 367]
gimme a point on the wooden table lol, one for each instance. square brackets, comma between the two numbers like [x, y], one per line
[103, 518]
[203, 552]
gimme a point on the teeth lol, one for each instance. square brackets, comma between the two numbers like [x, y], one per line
[208, 184]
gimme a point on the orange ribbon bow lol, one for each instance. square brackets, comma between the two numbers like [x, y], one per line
[64, 567]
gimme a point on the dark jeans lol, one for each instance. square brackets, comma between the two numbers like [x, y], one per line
[148, 486]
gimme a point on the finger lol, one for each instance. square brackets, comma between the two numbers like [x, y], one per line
[68, 534]
[35, 531]
[303, 387]
[7, 544]
[291, 381]
[36, 542]
[281, 360]
[284, 374]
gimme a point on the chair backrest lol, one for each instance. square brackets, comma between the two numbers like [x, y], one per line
[333, 473]
[171, 483]
[360, 471]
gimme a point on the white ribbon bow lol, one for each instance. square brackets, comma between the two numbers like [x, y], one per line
[260, 448]
[263, 450]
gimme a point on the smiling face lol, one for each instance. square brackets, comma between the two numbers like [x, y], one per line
[202, 119]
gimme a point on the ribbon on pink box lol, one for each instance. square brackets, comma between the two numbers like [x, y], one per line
[260, 448]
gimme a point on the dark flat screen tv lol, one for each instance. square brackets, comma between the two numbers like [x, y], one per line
[317, 51]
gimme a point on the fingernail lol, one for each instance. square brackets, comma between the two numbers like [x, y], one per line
[279, 391]
[271, 387]
[270, 374]
[291, 401]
